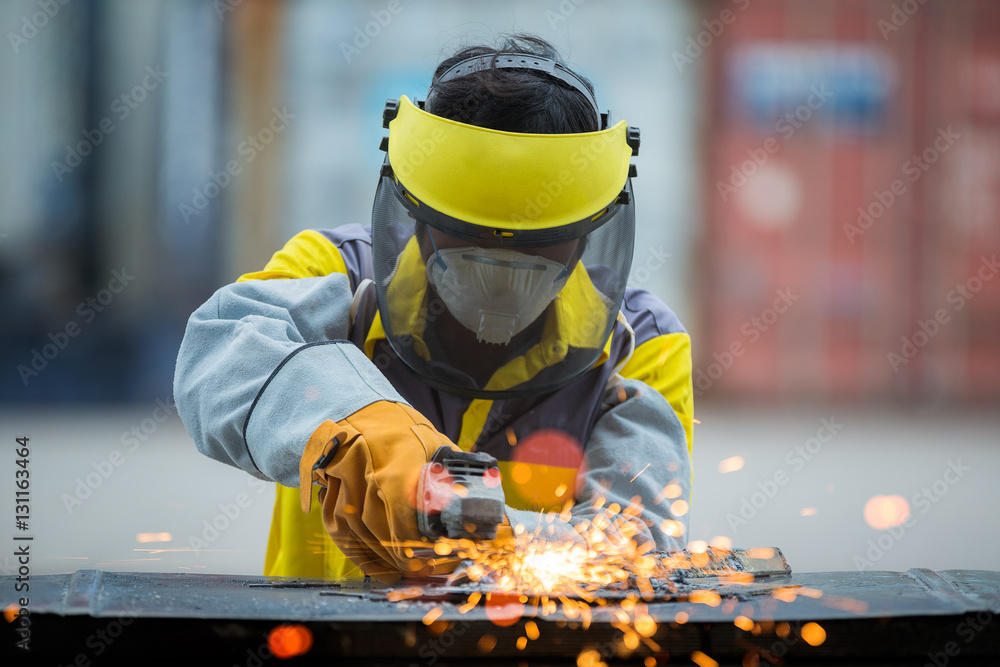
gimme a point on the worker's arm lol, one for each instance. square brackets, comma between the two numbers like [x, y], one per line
[263, 363]
[639, 430]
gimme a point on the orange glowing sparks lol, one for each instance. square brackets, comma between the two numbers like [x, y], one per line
[784, 594]
[743, 623]
[639, 473]
[809, 592]
[679, 507]
[645, 625]
[404, 594]
[763, 553]
[289, 641]
[706, 597]
[522, 642]
[808, 511]
[531, 630]
[486, 643]
[561, 490]
[721, 542]
[697, 546]
[589, 658]
[663, 354]
[703, 660]
[813, 633]
[737, 579]
[432, 615]
[883, 512]
[153, 537]
[520, 473]
[732, 464]
[11, 612]
[681, 617]
[511, 438]
[672, 528]
[696, 421]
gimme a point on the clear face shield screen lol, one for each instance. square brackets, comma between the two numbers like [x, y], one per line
[540, 232]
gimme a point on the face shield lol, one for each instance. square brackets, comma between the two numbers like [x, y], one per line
[500, 258]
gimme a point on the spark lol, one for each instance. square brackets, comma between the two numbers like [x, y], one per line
[432, 615]
[883, 512]
[511, 438]
[639, 473]
[813, 633]
[732, 464]
[663, 355]
[721, 542]
[763, 553]
[703, 660]
[153, 537]
[743, 623]
[808, 511]
[696, 421]
[784, 594]
[289, 640]
[486, 643]
[679, 507]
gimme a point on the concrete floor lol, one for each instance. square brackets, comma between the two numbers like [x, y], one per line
[161, 484]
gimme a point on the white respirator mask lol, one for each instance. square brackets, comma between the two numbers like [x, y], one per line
[495, 292]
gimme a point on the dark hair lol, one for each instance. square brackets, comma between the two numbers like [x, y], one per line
[511, 100]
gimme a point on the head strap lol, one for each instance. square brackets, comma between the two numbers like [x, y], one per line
[526, 61]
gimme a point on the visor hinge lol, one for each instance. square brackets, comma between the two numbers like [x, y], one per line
[623, 197]
[632, 171]
[632, 139]
[384, 145]
[390, 111]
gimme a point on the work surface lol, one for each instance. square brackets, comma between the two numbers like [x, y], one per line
[873, 616]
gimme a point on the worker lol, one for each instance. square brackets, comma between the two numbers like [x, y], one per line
[484, 310]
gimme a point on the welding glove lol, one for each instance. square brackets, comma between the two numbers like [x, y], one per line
[369, 465]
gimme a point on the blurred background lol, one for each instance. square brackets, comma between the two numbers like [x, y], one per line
[818, 199]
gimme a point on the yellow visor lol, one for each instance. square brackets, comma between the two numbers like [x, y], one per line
[506, 180]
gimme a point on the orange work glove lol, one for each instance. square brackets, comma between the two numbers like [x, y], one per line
[369, 464]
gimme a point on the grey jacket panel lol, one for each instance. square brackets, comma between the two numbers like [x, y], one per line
[263, 363]
[643, 429]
